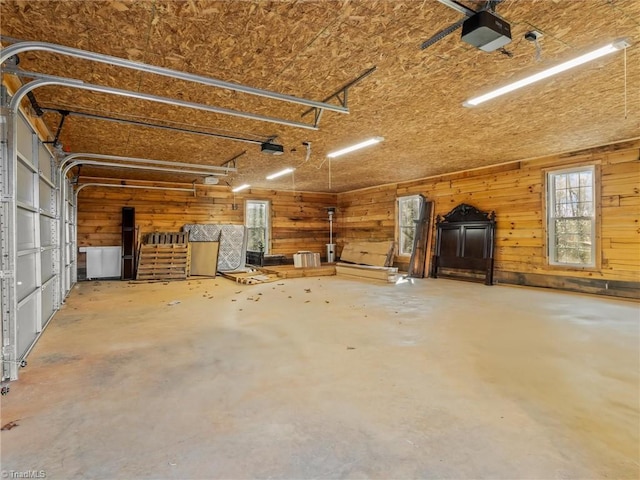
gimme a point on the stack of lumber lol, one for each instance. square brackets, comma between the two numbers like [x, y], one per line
[386, 274]
[289, 271]
[165, 256]
[368, 260]
[378, 254]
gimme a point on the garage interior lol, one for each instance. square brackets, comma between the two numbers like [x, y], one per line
[349, 326]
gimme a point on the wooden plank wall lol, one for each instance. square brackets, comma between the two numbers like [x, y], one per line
[516, 192]
[299, 219]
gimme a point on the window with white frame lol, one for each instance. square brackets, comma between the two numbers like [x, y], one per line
[257, 222]
[571, 215]
[408, 213]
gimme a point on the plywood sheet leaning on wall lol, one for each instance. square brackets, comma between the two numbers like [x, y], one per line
[379, 254]
[204, 258]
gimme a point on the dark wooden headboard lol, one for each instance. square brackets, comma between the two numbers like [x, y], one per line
[464, 245]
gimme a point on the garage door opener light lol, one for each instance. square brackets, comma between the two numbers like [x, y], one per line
[619, 44]
[357, 146]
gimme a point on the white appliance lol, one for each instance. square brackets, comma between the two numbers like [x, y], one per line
[104, 262]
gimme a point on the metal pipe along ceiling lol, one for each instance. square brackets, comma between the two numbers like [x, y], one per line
[167, 72]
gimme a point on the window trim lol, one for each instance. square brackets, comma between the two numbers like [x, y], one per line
[399, 226]
[549, 244]
[267, 203]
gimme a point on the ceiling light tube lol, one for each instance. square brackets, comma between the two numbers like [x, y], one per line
[280, 173]
[241, 187]
[587, 57]
[357, 146]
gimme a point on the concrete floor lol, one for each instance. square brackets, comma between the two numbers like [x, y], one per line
[329, 378]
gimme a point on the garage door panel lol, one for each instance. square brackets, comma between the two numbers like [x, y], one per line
[46, 199]
[26, 230]
[46, 265]
[47, 231]
[27, 328]
[25, 136]
[26, 275]
[24, 193]
[44, 163]
[48, 297]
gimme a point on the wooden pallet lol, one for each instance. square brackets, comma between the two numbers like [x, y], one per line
[164, 238]
[164, 262]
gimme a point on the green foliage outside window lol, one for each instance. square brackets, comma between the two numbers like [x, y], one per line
[257, 223]
[408, 213]
[572, 217]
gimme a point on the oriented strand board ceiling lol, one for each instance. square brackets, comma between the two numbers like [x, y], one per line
[309, 49]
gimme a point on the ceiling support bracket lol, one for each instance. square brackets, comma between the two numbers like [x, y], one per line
[64, 114]
[342, 95]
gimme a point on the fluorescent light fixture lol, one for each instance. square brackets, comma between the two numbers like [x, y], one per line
[241, 187]
[587, 57]
[357, 146]
[280, 173]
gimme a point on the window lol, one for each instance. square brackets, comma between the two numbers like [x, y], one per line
[257, 223]
[408, 212]
[571, 217]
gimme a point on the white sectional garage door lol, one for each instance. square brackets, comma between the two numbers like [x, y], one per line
[31, 289]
